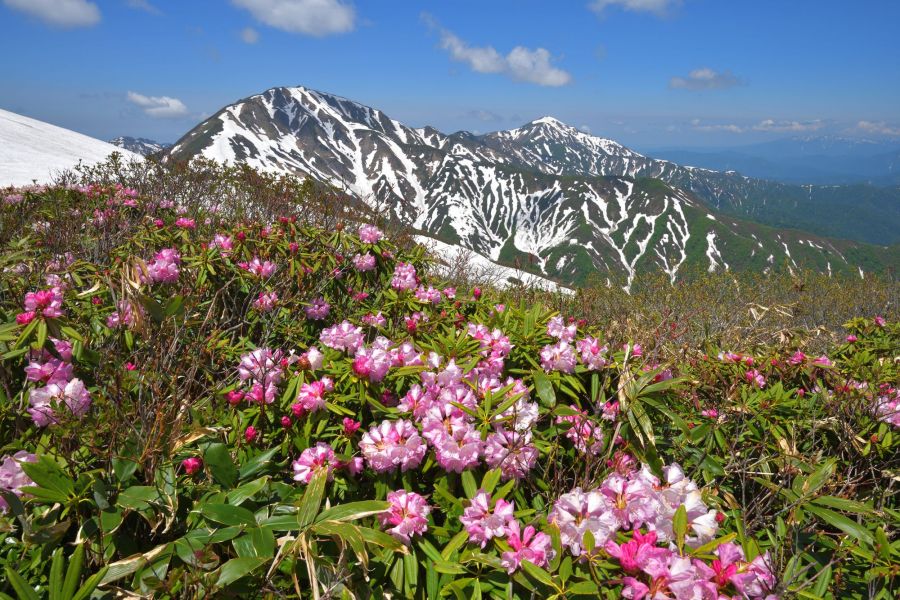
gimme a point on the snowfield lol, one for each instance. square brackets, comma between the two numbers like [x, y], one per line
[31, 150]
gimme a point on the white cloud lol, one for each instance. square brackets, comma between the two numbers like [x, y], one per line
[878, 128]
[60, 13]
[726, 127]
[657, 7]
[159, 106]
[521, 64]
[704, 79]
[249, 35]
[310, 17]
[143, 5]
[788, 126]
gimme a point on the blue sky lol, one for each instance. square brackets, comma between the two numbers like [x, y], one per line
[649, 73]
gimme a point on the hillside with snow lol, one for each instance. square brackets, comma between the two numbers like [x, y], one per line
[544, 198]
[35, 151]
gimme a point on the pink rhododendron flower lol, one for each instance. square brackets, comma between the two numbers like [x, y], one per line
[407, 516]
[592, 354]
[345, 336]
[393, 444]
[482, 522]
[262, 269]
[584, 433]
[879, 321]
[13, 477]
[164, 268]
[428, 295]
[319, 458]
[261, 366]
[266, 302]
[317, 310]
[364, 262]
[192, 465]
[369, 234]
[635, 554]
[756, 378]
[26, 317]
[185, 223]
[374, 320]
[577, 512]
[558, 357]
[250, 434]
[822, 361]
[797, 358]
[558, 329]
[311, 396]
[372, 363]
[530, 545]
[512, 451]
[45, 401]
[404, 277]
[223, 242]
[47, 303]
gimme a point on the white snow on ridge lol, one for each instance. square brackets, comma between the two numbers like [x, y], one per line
[484, 267]
[31, 150]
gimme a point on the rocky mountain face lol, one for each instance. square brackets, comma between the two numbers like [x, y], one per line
[544, 197]
[141, 146]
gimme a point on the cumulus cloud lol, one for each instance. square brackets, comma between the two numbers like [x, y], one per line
[878, 128]
[704, 79]
[788, 126]
[159, 106]
[249, 35]
[713, 127]
[521, 64]
[658, 7]
[59, 13]
[144, 5]
[310, 17]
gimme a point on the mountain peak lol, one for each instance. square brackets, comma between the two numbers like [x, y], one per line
[552, 121]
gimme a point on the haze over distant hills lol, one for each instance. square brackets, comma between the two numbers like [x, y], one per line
[548, 196]
[816, 160]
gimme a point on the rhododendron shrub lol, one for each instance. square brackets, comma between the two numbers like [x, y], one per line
[221, 400]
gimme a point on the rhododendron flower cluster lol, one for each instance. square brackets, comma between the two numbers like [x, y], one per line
[311, 396]
[630, 501]
[164, 268]
[584, 433]
[393, 444]
[60, 388]
[558, 329]
[344, 336]
[13, 477]
[484, 521]
[364, 262]
[222, 242]
[591, 353]
[369, 234]
[266, 302]
[887, 405]
[125, 315]
[261, 369]
[404, 277]
[260, 268]
[407, 516]
[558, 357]
[528, 544]
[317, 310]
[45, 303]
[319, 458]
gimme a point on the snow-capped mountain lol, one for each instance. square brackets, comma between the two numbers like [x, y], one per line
[141, 146]
[544, 197]
[32, 150]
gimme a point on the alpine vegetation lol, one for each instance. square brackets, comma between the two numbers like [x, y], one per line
[220, 383]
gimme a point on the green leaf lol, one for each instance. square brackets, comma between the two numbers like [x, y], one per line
[218, 459]
[312, 499]
[679, 525]
[73, 573]
[838, 520]
[538, 573]
[90, 584]
[56, 575]
[21, 587]
[256, 464]
[226, 514]
[469, 485]
[52, 482]
[584, 588]
[236, 568]
[352, 511]
[544, 388]
[490, 480]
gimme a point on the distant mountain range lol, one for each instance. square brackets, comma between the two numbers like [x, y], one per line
[825, 160]
[548, 198]
[141, 146]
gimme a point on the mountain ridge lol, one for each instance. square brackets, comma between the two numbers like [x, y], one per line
[545, 192]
